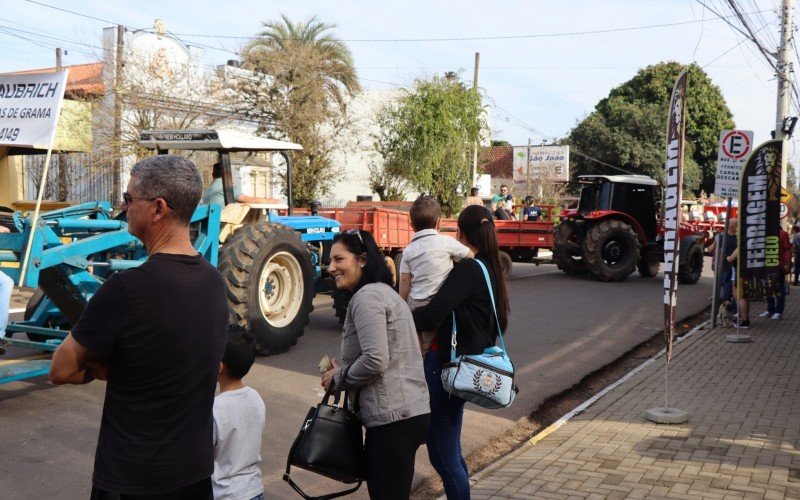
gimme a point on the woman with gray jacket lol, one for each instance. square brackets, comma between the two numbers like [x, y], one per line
[381, 349]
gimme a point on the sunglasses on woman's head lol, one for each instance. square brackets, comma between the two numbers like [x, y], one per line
[357, 233]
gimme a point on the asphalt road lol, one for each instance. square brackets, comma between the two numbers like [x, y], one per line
[561, 329]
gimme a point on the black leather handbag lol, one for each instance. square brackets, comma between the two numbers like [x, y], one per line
[330, 443]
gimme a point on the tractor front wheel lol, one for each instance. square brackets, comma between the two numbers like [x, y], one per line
[566, 249]
[691, 267]
[611, 250]
[270, 282]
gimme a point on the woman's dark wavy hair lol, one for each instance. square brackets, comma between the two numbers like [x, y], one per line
[476, 224]
[375, 269]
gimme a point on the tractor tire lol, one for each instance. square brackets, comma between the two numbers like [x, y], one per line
[569, 261]
[341, 299]
[505, 265]
[648, 270]
[52, 322]
[611, 250]
[691, 268]
[270, 281]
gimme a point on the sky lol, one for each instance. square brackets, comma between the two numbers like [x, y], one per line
[544, 65]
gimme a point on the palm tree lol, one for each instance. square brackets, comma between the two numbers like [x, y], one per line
[304, 54]
[308, 78]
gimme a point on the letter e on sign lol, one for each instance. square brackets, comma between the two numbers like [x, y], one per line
[736, 144]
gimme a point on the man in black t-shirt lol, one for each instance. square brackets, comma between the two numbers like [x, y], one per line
[158, 343]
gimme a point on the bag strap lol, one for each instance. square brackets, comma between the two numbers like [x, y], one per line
[453, 341]
[296, 488]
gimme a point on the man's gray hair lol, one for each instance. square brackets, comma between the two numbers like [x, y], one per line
[173, 178]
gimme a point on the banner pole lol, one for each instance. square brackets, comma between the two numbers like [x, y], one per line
[35, 220]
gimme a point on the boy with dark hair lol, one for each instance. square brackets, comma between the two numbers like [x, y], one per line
[427, 260]
[473, 198]
[239, 415]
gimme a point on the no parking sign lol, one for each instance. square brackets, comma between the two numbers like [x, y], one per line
[734, 147]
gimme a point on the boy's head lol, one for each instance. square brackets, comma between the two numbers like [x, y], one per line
[240, 352]
[529, 200]
[425, 213]
[474, 191]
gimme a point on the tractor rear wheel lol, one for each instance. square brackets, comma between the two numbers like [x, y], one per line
[52, 322]
[566, 249]
[691, 267]
[270, 282]
[611, 249]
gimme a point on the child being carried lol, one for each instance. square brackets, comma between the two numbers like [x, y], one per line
[427, 260]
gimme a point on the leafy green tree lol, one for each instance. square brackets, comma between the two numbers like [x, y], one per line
[305, 77]
[628, 128]
[428, 137]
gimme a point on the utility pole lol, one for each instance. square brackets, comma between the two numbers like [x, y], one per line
[784, 80]
[117, 174]
[62, 158]
[474, 169]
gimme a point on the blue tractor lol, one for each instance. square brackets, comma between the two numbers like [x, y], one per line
[272, 264]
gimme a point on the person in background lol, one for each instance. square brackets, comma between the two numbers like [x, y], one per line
[380, 359]
[158, 343]
[796, 251]
[473, 198]
[504, 196]
[466, 294]
[502, 212]
[726, 269]
[777, 301]
[427, 260]
[531, 211]
[214, 193]
[742, 302]
[239, 415]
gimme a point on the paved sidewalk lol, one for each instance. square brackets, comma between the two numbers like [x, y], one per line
[742, 439]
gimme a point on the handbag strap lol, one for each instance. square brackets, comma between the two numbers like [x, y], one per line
[303, 494]
[453, 341]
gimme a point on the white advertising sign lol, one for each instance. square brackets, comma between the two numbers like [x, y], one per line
[484, 185]
[734, 148]
[29, 108]
[549, 163]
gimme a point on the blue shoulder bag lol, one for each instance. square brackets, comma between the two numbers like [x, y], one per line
[485, 379]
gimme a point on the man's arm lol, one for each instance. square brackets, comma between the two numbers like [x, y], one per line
[405, 285]
[74, 364]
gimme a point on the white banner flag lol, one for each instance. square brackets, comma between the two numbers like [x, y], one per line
[29, 108]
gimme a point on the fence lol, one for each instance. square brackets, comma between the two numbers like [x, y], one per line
[85, 181]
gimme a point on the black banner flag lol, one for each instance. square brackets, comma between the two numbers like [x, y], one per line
[759, 260]
[672, 200]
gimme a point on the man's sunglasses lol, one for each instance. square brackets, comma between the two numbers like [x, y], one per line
[128, 199]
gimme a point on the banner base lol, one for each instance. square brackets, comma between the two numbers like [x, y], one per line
[666, 415]
[738, 338]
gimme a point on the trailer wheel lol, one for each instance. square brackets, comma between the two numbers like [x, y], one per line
[270, 282]
[611, 248]
[691, 268]
[568, 259]
[341, 299]
[647, 269]
[505, 264]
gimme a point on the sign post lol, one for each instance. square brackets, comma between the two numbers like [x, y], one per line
[734, 147]
[29, 113]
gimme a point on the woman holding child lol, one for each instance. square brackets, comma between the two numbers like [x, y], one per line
[464, 292]
[380, 355]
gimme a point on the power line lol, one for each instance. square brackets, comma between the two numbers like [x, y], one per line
[474, 38]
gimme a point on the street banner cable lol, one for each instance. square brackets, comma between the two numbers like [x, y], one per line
[758, 264]
[672, 197]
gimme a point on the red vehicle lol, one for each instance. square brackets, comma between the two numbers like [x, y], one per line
[615, 231]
